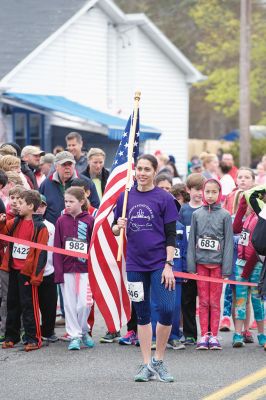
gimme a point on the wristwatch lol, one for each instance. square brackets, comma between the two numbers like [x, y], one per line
[171, 263]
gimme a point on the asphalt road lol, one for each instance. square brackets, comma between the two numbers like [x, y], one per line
[107, 371]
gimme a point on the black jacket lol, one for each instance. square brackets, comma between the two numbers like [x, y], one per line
[103, 177]
[25, 169]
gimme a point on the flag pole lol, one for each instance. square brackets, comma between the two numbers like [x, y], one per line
[129, 168]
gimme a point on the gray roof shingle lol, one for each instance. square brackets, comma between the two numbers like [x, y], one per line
[25, 24]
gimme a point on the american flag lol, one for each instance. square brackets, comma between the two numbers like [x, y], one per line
[107, 276]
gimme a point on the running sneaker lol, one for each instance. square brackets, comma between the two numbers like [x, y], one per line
[248, 337]
[52, 339]
[2, 339]
[144, 374]
[261, 339]
[182, 339]
[87, 340]
[65, 337]
[175, 344]
[129, 338]
[8, 345]
[189, 341]
[254, 325]
[159, 369]
[153, 345]
[31, 346]
[214, 343]
[110, 337]
[203, 343]
[225, 324]
[238, 340]
[74, 344]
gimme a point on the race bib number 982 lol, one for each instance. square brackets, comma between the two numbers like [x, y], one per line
[135, 291]
[76, 245]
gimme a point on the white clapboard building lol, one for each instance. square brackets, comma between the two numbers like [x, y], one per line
[75, 65]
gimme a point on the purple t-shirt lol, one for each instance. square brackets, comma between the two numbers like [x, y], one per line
[147, 213]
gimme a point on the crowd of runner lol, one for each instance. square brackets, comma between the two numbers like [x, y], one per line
[201, 224]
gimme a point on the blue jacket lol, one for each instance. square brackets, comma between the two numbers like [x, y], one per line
[180, 257]
[54, 193]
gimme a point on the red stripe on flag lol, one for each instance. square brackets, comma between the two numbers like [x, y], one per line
[101, 303]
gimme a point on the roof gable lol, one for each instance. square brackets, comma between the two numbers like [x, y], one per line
[24, 25]
[108, 6]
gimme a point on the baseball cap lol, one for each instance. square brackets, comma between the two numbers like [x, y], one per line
[44, 199]
[47, 158]
[196, 164]
[63, 157]
[35, 151]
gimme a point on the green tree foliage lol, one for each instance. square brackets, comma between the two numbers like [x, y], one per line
[207, 32]
[258, 149]
[218, 51]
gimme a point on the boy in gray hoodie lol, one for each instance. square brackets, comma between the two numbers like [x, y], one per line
[210, 253]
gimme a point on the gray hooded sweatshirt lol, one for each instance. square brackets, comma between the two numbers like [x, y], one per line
[211, 239]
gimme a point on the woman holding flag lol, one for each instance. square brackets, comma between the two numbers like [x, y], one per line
[150, 223]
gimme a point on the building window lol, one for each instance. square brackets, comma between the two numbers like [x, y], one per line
[20, 129]
[35, 129]
[28, 128]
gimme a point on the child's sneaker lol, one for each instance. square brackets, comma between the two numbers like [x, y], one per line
[87, 340]
[52, 339]
[74, 344]
[261, 339]
[65, 337]
[110, 337]
[144, 374]
[129, 338]
[189, 341]
[203, 343]
[159, 369]
[225, 324]
[248, 337]
[2, 339]
[8, 345]
[31, 346]
[175, 344]
[238, 340]
[214, 343]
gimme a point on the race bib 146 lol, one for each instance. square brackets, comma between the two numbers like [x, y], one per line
[135, 291]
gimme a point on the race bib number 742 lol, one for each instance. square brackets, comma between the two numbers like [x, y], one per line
[20, 251]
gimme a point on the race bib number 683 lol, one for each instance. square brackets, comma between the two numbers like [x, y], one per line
[208, 244]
